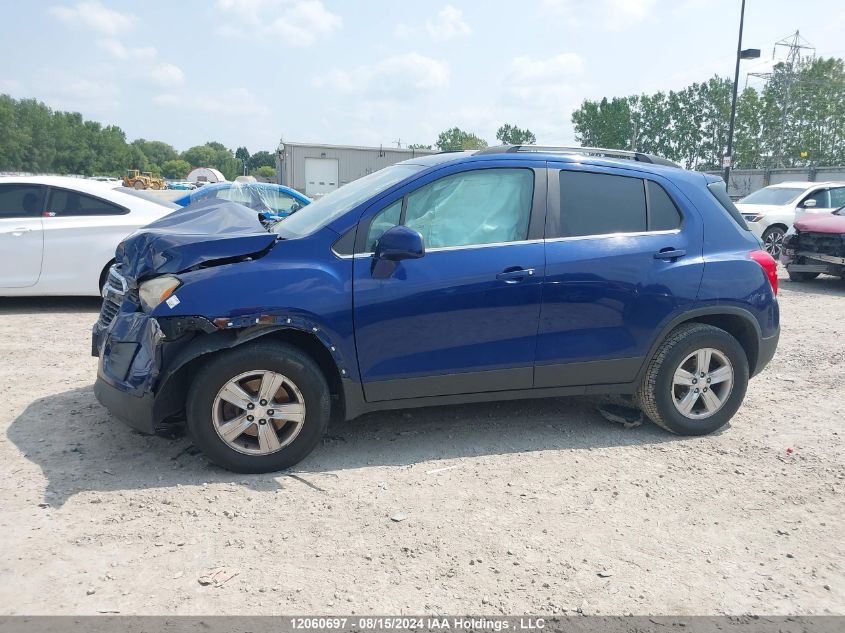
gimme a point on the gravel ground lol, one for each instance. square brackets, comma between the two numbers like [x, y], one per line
[527, 507]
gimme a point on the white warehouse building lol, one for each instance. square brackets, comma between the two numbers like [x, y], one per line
[316, 169]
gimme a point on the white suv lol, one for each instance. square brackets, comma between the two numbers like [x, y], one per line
[771, 211]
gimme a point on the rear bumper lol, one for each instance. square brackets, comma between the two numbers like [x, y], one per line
[136, 411]
[766, 352]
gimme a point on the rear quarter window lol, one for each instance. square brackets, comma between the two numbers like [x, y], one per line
[718, 191]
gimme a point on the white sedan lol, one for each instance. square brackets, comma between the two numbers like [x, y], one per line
[58, 235]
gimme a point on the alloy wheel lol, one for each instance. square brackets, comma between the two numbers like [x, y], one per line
[773, 243]
[258, 412]
[702, 383]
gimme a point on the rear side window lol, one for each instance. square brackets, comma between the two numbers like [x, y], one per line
[21, 201]
[663, 214]
[68, 203]
[719, 192]
[601, 204]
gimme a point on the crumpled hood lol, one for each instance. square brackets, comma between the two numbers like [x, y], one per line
[821, 223]
[194, 235]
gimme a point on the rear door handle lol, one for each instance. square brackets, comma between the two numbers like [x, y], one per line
[669, 253]
[515, 275]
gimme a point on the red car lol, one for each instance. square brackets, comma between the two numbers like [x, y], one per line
[815, 245]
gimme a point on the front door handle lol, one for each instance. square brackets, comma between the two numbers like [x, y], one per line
[515, 275]
[17, 232]
[669, 253]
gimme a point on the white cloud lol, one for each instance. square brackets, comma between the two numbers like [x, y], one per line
[235, 102]
[612, 15]
[166, 74]
[95, 16]
[398, 76]
[118, 50]
[448, 24]
[142, 62]
[290, 22]
[525, 69]
[623, 14]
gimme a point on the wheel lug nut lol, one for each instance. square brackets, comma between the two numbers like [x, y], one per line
[270, 412]
[250, 418]
[262, 421]
[705, 390]
[250, 406]
[263, 403]
[695, 381]
[695, 390]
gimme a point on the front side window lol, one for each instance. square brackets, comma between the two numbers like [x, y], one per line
[822, 198]
[601, 204]
[383, 220]
[21, 201]
[837, 197]
[277, 201]
[67, 203]
[485, 206]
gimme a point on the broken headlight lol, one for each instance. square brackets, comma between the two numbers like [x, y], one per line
[156, 290]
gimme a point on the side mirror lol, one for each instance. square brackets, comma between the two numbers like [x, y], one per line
[398, 243]
[809, 204]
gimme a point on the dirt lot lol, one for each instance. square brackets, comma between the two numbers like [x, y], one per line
[528, 507]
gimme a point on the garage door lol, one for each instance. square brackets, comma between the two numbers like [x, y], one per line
[320, 176]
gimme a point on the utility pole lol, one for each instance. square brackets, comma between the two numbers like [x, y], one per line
[794, 44]
[750, 53]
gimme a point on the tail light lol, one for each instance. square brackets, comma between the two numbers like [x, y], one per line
[769, 266]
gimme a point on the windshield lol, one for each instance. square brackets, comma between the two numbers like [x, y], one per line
[149, 197]
[773, 195]
[330, 207]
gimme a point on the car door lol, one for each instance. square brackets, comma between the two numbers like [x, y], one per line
[21, 234]
[81, 232]
[623, 255]
[463, 318]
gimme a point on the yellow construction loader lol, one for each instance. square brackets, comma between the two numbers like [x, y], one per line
[145, 180]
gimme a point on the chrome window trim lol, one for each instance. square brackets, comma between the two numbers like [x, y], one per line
[608, 235]
[439, 249]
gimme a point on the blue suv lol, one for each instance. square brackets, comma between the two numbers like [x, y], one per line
[511, 272]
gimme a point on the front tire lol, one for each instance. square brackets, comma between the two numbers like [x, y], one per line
[696, 381]
[258, 408]
[773, 241]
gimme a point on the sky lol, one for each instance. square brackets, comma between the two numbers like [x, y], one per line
[376, 72]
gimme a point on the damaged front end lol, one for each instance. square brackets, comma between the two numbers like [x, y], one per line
[136, 348]
[815, 251]
[133, 346]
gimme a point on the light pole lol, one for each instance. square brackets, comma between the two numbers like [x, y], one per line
[748, 53]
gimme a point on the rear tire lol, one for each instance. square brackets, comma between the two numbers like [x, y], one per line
[138, 185]
[662, 398]
[303, 381]
[799, 276]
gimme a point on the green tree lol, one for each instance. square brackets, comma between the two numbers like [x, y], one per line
[455, 139]
[604, 123]
[157, 152]
[262, 159]
[418, 146]
[175, 169]
[242, 154]
[511, 135]
[266, 172]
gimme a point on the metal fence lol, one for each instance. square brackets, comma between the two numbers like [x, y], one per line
[745, 181]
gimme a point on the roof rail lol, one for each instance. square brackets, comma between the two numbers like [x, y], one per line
[585, 151]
